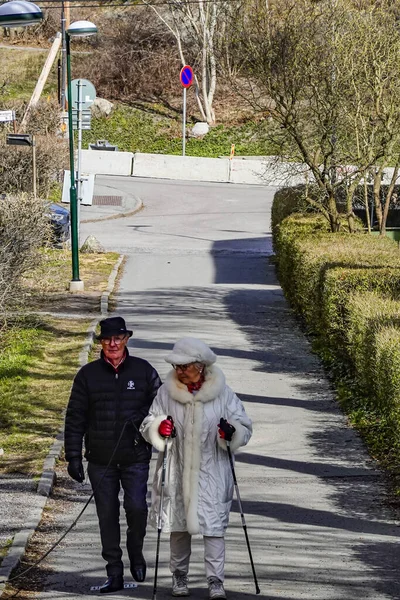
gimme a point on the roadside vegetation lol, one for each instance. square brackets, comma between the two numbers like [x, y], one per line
[331, 87]
[37, 365]
[346, 290]
[47, 284]
[19, 72]
[134, 130]
[40, 356]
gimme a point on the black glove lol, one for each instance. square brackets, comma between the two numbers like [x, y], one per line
[225, 430]
[75, 469]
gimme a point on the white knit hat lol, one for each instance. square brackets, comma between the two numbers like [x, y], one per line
[189, 350]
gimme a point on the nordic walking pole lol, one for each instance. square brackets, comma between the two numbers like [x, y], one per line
[228, 445]
[159, 520]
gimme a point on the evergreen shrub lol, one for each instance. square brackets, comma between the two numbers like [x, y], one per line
[346, 288]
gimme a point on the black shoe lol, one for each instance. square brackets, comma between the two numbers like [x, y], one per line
[138, 571]
[113, 584]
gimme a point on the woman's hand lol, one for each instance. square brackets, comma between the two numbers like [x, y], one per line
[225, 430]
[166, 428]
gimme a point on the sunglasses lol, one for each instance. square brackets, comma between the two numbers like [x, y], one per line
[182, 367]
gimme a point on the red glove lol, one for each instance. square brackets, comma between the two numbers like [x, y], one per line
[166, 427]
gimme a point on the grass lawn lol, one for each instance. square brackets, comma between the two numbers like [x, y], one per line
[38, 362]
[54, 273]
[19, 72]
[134, 130]
[40, 357]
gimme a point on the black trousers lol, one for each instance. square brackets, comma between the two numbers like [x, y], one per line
[133, 480]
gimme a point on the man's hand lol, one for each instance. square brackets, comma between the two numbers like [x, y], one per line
[166, 428]
[75, 469]
[225, 430]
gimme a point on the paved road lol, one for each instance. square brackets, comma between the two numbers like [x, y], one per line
[197, 264]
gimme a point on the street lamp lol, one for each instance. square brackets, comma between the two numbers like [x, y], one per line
[77, 29]
[19, 13]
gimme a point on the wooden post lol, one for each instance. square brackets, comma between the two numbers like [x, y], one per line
[67, 14]
[34, 165]
[42, 79]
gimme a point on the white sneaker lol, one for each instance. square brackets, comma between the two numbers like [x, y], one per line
[180, 584]
[215, 588]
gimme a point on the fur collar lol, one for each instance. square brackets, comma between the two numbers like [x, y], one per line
[213, 385]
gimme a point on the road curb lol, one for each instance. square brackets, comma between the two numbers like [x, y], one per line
[105, 297]
[48, 476]
[122, 215]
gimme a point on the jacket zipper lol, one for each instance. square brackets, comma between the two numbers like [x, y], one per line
[118, 405]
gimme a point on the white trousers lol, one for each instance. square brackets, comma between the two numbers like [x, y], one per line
[214, 554]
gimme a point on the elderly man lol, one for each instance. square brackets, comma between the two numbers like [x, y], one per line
[109, 399]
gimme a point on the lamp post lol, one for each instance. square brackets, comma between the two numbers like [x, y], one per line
[77, 29]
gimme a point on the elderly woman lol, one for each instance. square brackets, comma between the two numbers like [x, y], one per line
[199, 485]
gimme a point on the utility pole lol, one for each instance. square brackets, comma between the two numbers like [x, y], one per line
[67, 14]
[63, 58]
[65, 23]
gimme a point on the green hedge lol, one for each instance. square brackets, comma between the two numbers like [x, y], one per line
[386, 370]
[286, 202]
[346, 288]
[319, 270]
[372, 331]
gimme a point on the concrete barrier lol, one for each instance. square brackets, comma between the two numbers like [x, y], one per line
[287, 174]
[102, 162]
[185, 168]
[251, 172]
[387, 176]
[267, 171]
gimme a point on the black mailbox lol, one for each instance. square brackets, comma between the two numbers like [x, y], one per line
[19, 139]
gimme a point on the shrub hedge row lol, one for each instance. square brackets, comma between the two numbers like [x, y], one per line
[346, 288]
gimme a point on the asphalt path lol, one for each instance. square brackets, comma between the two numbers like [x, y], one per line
[198, 263]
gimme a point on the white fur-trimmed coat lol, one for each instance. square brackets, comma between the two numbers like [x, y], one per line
[199, 485]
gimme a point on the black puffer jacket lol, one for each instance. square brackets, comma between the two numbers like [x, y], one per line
[102, 400]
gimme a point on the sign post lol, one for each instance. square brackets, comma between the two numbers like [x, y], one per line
[83, 96]
[186, 78]
[78, 166]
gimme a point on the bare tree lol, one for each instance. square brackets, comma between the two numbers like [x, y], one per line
[198, 28]
[51, 151]
[24, 228]
[133, 60]
[331, 86]
[371, 74]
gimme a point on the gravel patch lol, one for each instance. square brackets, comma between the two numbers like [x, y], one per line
[19, 502]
